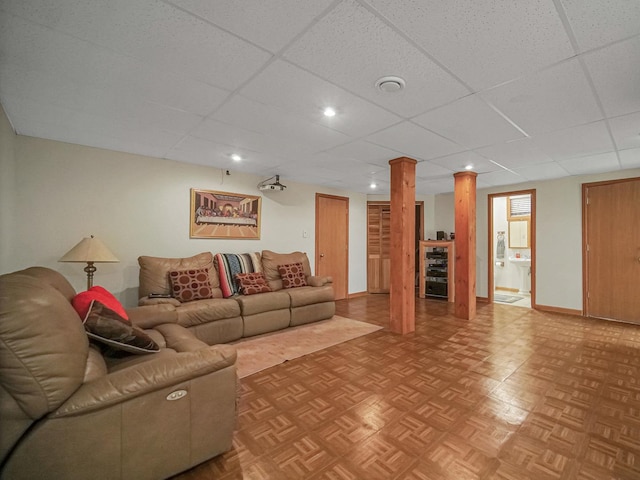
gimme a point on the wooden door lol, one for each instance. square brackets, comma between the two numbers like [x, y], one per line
[612, 244]
[332, 241]
[378, 248]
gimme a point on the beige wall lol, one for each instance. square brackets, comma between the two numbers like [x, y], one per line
[140, 206]
[7, 187]
[558, 235]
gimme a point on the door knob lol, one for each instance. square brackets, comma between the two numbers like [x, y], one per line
[322, 255]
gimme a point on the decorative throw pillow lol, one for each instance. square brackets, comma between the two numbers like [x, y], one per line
[106, 326]
[230, 265]
[82, 301]
[189, 285]
[252, 283]
[292, 275]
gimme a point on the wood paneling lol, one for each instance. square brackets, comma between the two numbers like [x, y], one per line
[612, 237]
[378, 248]
[332, 241]
[403, 248]
[465, 244]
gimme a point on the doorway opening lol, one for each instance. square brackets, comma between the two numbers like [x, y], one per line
[511, 246]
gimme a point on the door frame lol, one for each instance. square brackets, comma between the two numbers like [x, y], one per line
[490, 256]
[585, 240]
[346, 229]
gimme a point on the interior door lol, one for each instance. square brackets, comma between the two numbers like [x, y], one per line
[612, 234]
[332, 241]
[378, 248]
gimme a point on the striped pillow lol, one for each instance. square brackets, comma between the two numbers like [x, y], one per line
[230, 264]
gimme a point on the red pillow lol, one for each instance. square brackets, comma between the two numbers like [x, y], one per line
[252, 283]
[82, 301]
[192, 284]
[292, 275]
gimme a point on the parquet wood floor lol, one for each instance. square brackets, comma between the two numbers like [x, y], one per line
[514, 394]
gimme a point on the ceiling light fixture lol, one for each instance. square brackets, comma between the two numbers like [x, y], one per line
[235, 157]
[390, 84]
[468, 167]
[373, 185]
[329, 112]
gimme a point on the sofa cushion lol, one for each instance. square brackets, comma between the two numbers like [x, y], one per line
[192, 284]
[154, 272]
[206, 311]
[252, 283]
[263, 302]
[271, 261]
[310, 295]
[82, 301]
[106, 326]
[231, 264]
[292, 275]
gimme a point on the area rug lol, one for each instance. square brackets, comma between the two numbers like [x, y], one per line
[506, 298]
[264, 351]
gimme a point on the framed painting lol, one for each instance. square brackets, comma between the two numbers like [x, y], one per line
[224, 215]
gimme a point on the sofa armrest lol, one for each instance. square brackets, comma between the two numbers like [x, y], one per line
[158, 301]
[319, 281]
[150, 316]
[155, 374]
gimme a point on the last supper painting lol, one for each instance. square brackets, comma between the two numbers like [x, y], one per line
[224, 215]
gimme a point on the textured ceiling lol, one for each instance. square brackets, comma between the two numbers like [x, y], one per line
[522, 90]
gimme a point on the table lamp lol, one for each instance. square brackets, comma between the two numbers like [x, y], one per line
[89, 250]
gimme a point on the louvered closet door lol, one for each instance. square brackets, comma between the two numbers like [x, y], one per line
[378, 248]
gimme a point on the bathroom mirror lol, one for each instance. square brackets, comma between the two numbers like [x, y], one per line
[519, 234]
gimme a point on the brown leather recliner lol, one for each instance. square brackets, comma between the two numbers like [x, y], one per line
[67, 411]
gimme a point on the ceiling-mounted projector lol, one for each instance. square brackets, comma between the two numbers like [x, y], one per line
[277, 186]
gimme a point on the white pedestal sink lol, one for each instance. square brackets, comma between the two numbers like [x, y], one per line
[523, 264]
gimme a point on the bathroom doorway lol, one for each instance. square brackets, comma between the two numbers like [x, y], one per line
[511, 243]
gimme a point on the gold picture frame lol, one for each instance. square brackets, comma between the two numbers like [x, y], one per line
[227, 215]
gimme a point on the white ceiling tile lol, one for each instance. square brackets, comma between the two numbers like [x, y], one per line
[630, 158]
[259, 22]
[484, 43]
[458, 161]
[278, 123]
[626, 130]
[543, 171]
[60, 58]
[500, 177]
[353, 48]
[365, 152]
[428, 170]
[434, 187]
[616, 74]
[157, 34]
[595, 24]
[288, 87]
[414, 141]
[469, 121]
[558, 97]
[514, 154]
[604, 162]
[583, 140]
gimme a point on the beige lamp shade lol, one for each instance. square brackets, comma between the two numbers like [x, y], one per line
[90, 250]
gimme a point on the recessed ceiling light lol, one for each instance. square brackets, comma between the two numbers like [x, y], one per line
[373, 185]
[390, 84]
[235, 157]
[329, 112]
[468, 167]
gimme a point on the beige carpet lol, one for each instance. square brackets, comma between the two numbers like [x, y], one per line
[264, 351]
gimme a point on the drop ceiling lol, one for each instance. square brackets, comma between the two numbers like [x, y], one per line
[522, 90]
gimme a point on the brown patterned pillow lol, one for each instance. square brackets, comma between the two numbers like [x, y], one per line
[189, 285]
[292, 275]
[251, 283]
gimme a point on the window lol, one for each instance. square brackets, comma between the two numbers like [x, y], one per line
[519, 207]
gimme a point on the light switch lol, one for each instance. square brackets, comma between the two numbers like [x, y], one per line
[305, 234]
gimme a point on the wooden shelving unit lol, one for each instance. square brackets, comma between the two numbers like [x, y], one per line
[437, 257]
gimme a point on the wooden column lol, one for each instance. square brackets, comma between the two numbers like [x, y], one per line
[465, 244]
[403, 200]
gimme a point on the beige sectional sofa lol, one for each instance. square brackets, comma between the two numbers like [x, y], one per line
[222, 320]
